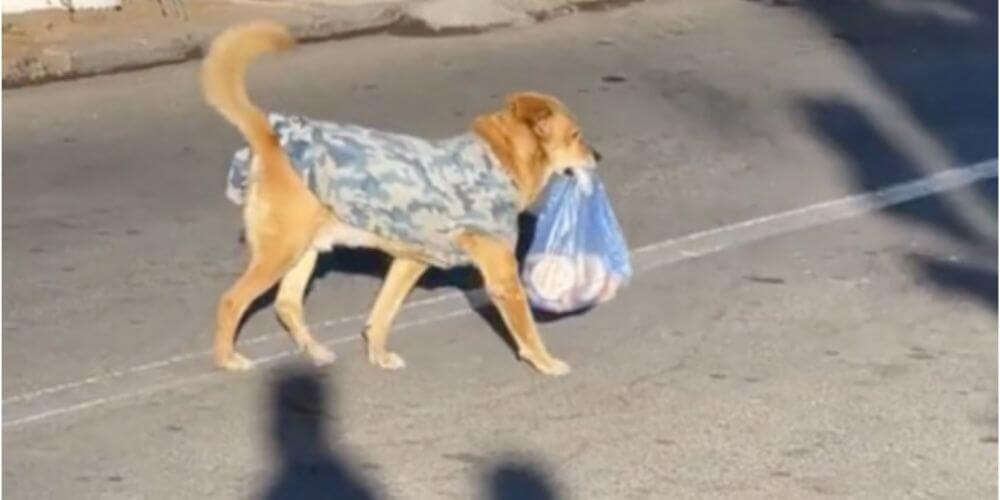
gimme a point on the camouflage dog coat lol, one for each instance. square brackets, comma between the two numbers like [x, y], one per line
[398, 187]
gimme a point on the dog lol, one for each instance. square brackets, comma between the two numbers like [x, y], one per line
[424, 203]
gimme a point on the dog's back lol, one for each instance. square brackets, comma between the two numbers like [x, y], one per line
[403, 188]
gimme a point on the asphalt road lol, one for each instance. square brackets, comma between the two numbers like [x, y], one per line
[789, 357]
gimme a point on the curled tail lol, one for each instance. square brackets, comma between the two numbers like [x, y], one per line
[223, 75]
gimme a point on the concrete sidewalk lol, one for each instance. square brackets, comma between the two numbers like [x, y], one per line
[51, 45]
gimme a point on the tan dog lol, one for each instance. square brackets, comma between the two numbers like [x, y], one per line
[532, 137]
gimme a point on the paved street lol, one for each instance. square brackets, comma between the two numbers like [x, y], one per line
[771, 346]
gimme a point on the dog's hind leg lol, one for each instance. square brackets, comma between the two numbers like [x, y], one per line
[268, 263]
[402, 276]
[289, 305]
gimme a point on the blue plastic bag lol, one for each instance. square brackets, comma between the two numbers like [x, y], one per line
[578, 257]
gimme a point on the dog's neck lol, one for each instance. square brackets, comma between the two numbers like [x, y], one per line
[517, 152]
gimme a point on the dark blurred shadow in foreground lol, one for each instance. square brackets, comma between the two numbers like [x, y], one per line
[516, 479]
[310, 468]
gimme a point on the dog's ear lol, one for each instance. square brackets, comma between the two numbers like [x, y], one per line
[532, 109]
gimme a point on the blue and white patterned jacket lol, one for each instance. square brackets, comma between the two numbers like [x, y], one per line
[398, 187]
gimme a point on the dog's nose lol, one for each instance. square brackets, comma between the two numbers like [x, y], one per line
[597, 154]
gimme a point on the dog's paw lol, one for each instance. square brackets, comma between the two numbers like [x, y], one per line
[320, 354]
[387, 361]
[551, 366]
[235, 362]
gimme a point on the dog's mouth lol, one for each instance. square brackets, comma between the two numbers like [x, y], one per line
[583, 177]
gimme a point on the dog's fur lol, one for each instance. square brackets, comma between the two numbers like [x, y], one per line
[533, 136]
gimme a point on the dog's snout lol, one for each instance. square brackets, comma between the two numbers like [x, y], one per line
[597, 154]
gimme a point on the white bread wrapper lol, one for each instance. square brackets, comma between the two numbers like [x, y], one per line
[591, 278]
[564, 284]
[551, 276]
[610, 289]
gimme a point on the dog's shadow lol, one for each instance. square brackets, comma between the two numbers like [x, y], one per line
[374, 263]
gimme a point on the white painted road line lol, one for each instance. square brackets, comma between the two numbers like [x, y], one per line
[720, 238]
[56, 400]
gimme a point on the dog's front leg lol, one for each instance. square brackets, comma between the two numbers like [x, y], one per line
[498, 265]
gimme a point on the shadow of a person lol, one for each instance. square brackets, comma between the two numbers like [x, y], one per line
[519, 480]
[309, 468]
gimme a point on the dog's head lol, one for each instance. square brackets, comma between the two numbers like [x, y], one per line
[535, 136]
[557, 134]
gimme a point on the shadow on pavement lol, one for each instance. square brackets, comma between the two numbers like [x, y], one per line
[518, 479]
[311, 466]
[375, 264]
[976, 282]
[938, 61]
[876, 163]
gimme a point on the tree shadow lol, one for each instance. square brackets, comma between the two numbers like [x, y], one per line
[309, 468]
[976, 282]
[876, 163]
[938, 61]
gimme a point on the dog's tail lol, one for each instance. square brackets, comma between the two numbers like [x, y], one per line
[223, 75]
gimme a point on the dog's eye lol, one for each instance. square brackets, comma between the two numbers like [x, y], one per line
[575, 135]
